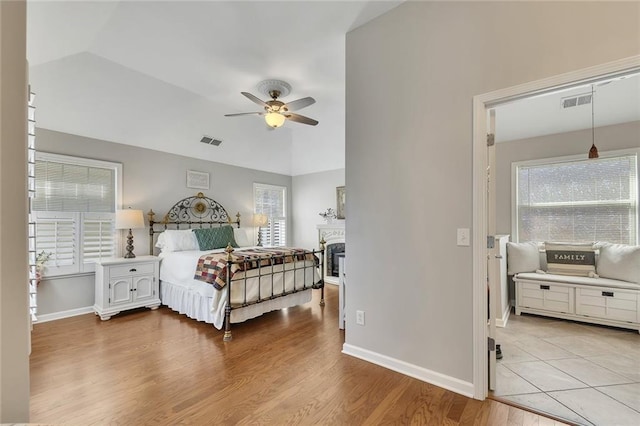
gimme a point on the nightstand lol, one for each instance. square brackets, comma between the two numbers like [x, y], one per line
[123, 284]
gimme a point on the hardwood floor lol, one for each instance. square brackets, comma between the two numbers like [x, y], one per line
[159, 367]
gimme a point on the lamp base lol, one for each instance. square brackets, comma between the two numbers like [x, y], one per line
[129, 254]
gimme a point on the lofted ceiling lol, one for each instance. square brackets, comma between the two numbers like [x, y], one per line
[161, 74]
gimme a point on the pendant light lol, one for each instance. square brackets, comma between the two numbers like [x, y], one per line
[593, 152]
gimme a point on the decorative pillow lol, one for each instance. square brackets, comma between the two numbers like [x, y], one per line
[214, 238]
[577, 259]
[177, 240]
[619, 262]
[242, 237]
[522, 257]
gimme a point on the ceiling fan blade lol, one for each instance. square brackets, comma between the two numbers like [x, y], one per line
[244, 113]
[256, 100]
[300, 103]
[301, 119]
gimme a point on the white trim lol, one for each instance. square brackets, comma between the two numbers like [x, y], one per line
[502, 322]
[480, 105]
[65, 314]
[428, 376]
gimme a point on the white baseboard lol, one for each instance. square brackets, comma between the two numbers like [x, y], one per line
[502, 322]
[420, 373]
[65, 314]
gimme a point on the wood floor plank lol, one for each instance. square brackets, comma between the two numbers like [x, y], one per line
[286, 367]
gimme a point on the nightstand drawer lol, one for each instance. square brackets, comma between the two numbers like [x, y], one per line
[132, 269]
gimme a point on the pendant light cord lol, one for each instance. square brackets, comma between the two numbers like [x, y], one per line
[593, 152]
[593, 127]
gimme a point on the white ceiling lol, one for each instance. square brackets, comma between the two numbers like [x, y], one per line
[614, 102]
[160, 75]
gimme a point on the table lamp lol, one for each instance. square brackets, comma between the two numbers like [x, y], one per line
[129, 219]
[260, 220]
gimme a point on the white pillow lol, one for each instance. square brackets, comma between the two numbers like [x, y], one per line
[177, 240]
[242, 237]
[619, 262]
[522, 257]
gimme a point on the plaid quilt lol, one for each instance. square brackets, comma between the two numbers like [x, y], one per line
[212, 268]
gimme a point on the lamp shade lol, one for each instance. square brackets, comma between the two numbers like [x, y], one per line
[274, 119]
[129, 219]
[260, 219]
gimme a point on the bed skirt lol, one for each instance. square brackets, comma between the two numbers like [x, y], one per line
[198, 304]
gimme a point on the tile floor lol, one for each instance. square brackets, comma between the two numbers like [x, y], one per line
[586, 374]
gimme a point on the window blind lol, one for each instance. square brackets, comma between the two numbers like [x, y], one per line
[579, 201]
[271, 201]
[66, 187]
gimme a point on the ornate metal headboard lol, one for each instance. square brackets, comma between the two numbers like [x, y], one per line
[197, 211]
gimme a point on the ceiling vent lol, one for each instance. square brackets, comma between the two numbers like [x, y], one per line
[210, 141]
[574, 101]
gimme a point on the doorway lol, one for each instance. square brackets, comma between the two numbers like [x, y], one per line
[482, 104]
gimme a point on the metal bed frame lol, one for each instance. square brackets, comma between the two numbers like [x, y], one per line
[200, 211]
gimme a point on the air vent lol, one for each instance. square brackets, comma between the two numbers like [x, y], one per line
[575, 101]
[210, 141]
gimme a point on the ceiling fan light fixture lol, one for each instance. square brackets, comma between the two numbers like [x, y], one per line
[274, 119]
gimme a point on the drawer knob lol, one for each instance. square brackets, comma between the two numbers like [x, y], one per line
[132, 270]
[607, 293]
[544, 287]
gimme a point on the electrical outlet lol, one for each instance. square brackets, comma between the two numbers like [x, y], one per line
[360, 317]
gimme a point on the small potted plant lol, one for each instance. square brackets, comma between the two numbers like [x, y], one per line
[41, 259]
[329, 215]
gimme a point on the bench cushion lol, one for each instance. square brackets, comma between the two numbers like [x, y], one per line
[569, 279]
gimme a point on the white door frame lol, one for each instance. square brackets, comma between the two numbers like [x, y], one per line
[480, 105]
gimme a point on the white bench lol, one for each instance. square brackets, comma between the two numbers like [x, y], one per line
[594, 300]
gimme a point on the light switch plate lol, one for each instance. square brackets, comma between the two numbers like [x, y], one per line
[463, 237]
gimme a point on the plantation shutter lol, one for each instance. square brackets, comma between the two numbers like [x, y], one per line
[56, 234]
[579, 201]
[98, 239]
[271, 201]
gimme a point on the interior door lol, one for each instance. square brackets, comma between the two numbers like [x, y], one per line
[493, 251]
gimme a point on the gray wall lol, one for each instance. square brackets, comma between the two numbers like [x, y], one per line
[411, 77]
[609, 138]
[313, 193]
[151, 180]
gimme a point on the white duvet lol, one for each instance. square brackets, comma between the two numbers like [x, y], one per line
[201, 301]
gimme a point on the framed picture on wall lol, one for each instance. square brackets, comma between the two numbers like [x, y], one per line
[341, 198]
[197, 180]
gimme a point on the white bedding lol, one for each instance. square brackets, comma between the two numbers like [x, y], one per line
[201, 301]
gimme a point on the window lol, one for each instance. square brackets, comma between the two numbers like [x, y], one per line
[578, 200]
[271, 201]
[74, 207]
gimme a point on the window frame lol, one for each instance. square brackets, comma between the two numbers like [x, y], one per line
[272, 220]
[568, 159]
[80, 266]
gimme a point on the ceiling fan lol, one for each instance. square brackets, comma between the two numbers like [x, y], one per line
[275, 111]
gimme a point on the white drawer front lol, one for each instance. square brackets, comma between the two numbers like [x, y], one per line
[132, 269]
[607, 304]
[547, 297]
